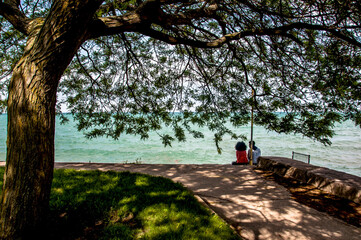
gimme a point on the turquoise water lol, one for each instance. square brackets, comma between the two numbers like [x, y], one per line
[71, 146]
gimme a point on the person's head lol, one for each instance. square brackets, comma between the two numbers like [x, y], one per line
[250, 144]
[241, 146]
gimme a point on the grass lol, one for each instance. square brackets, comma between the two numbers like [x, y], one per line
[124, 205]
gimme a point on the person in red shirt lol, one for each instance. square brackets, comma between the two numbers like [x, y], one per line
[241, 154]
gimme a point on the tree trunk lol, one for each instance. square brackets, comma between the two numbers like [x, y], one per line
[51, 45]
[30, 151]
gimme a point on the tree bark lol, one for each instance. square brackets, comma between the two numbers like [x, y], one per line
[51, 45]
[30, 151]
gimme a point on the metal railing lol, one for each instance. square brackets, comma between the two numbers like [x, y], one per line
[301, 157]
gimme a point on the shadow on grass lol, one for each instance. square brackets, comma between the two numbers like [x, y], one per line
[124, 205]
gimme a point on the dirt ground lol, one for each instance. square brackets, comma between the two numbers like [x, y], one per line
[340, 208]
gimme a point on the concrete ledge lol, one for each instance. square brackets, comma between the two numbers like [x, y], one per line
[338, 183]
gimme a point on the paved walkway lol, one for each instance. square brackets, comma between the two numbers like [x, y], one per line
[257, 208]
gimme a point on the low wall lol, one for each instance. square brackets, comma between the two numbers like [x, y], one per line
[338, 183]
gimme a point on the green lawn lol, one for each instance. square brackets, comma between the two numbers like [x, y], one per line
[124, 205]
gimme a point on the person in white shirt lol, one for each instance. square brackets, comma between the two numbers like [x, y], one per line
[256, 152]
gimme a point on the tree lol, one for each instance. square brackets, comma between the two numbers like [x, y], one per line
[127, 66]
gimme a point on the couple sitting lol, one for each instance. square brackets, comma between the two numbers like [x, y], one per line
[241, 154]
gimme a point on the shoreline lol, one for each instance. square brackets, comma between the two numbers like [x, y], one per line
[70, 145]
[2, 163]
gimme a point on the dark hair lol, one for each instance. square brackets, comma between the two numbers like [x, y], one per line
[253, 145]
[241, 146]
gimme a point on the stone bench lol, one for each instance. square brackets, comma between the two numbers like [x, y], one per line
[337, 183]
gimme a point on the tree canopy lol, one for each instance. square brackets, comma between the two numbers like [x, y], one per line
[146, 60]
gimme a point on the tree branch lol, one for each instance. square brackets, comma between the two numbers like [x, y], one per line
[150, 12]
[11, 12]
[106, 26]
[214, 43]
[331, 30]
[145, 14]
